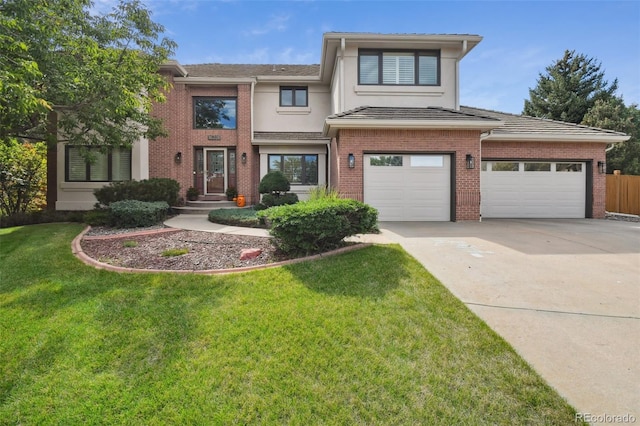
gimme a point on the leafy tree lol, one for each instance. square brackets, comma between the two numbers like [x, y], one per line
[570, 87]
[98, 73]
[614, 115]
[22, 177]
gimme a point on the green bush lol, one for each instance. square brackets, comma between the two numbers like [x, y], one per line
[323, 191]
[317, 226]
[40, 216]
[156, 189]
[236, 217]
[271, 200]
[97, 217]
[134, 213]
[274, 183]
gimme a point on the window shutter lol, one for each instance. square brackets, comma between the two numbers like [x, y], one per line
[406, 69]
[77, 166]
[99, 170]
[428, 70]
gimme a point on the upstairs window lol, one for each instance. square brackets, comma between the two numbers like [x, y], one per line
[293, 96]
[399, 67]
[99, 166]
[214, 113]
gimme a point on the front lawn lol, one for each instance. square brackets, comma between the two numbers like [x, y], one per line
[367, 337]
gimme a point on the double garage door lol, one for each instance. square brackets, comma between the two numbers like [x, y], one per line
[527, 189]
[418, 188]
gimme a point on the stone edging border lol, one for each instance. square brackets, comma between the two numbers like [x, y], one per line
[77, 251]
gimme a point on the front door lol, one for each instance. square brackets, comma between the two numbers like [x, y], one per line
[215, 173]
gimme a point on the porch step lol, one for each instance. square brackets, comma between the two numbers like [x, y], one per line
[203, 207]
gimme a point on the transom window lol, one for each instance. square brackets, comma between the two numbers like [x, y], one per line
[97, 166]
[294, 96]
[300, 169]
[399, 67]
[386, 160]
[214, 113]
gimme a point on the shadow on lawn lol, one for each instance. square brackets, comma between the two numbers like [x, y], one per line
[369, 273]
[64, 313]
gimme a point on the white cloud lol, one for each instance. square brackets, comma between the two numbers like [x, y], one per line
[275, 23]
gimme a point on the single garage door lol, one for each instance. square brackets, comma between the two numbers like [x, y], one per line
[526, 189]
[408, 187]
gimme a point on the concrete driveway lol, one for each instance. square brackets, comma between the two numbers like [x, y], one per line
[564, 293]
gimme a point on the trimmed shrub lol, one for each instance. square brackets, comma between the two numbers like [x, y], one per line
[134, 213]
[319, 225]
[40, 216]
[271, 200]
[236, 217]
[274, 183]
[155, 189]
[97, 217]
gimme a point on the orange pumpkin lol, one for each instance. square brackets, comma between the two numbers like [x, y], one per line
[240, 201]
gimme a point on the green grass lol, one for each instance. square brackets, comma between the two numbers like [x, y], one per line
[175, 252]
[130, 243]
[367, 337]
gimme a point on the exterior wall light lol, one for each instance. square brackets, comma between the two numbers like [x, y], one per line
[178, 157]
[243, 158]
[471, 162]
[602, 167]
[352, 161]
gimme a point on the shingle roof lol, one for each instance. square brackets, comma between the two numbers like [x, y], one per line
[411, 113]
[290, 136]
[251, 70]
[522, 124]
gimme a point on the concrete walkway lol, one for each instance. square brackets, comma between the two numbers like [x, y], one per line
[564, 293]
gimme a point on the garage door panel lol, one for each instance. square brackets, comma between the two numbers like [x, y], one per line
[409, 193]
[533, 194]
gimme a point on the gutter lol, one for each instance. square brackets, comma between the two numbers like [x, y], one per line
[332, 125]
[554, 137]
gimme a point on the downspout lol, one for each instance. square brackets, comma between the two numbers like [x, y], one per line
[342, 49]
[253, 85]
[462, 53]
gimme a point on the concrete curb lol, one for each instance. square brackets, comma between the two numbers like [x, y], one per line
[76, 249]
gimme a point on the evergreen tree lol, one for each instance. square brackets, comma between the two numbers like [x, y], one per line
[570, 87]
[612, 114]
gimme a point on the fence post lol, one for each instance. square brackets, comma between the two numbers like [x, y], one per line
[616, 174]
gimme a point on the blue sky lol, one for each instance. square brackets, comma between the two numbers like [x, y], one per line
[521, 38]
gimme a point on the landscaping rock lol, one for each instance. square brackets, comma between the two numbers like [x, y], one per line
[251, 253]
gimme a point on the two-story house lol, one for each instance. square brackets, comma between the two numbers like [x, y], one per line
[379, 119]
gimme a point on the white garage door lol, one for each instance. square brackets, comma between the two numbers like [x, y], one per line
[525, 189]
[408, 187]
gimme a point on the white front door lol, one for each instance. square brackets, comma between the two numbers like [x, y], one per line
[215, 170]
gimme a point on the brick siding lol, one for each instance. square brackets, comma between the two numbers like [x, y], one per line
[456, 142]
[177, 115]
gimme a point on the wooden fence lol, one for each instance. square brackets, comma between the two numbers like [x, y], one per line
[623, 194]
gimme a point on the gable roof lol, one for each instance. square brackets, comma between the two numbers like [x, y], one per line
[526, 128]
[408, 118]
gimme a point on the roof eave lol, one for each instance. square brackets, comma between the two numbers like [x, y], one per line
[297, 142]
[332, 125]
[554, 137]
[289, 79]
[203, 81]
